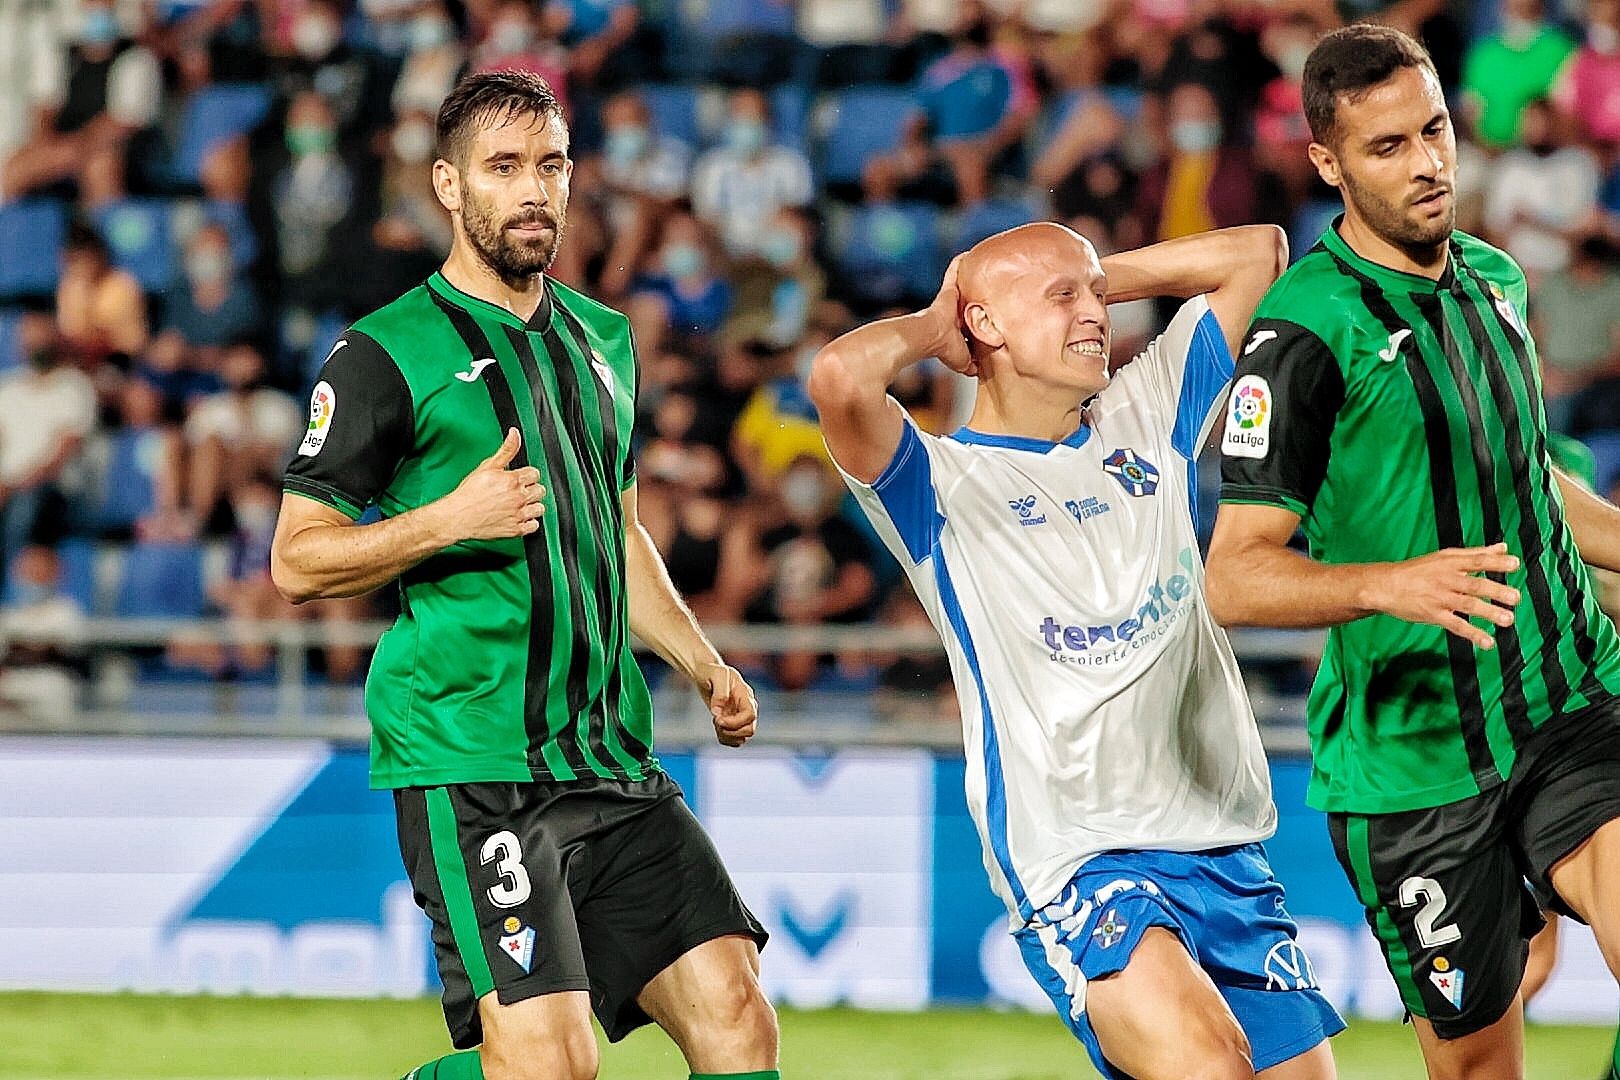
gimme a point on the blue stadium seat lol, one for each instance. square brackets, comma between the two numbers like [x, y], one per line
[715, 19]
[675, 111]
[1605, 447]
[860, 123]
[988, 218]
[790, 116]
[128, 486]
[31, 234]
[162, 581]
[140, 234]
[893, 252]
[214, 114]
[10, 347]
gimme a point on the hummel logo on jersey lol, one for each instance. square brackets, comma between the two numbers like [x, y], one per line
[1025, 509]
[1259, 339]
[1388, 354]
[478, 367]
[1088, 507]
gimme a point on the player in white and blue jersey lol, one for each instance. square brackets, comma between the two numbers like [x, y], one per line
[1114, 768]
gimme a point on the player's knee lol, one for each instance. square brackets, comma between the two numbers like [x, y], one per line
[1223, 1054]
[741, 1014]
[561, 1055]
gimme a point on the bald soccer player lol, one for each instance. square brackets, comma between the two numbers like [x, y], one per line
[1114, 768]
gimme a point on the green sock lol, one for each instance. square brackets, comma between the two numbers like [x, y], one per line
[462, 1066]
[766, 1074]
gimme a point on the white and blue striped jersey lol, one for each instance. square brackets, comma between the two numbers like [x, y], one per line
[1101, 706]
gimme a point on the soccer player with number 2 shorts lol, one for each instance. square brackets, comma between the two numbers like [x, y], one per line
[1115, 771]
[487, 413]
[1465, 721]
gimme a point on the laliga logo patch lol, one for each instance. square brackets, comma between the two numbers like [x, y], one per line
[518, 943]
[1448, 980]
[322, 403]
[1248, 419]
[1135, 473]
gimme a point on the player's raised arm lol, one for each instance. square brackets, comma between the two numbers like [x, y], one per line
[849, 382]
[1232, 267]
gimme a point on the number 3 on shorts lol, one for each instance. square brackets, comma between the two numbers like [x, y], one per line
[503, 850]
[1414, 889]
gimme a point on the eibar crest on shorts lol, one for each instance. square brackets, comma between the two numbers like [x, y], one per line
[1448, 980]
[518, 943]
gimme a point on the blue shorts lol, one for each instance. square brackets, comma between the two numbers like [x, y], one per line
[1227, 910]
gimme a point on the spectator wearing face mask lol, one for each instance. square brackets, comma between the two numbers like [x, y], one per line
[1542, 193]
[212, 305]
[1202, 182]
[412, 235]
[1588, 87]
[739, 186]
[316, 201]
[636, 179]
[781, 286]
[434, 60]
[107, 89]
[350, 79]
[521, 38]
[683, 275]
[46, 411]
[43, 670]
[100, 309]
[1509, 69]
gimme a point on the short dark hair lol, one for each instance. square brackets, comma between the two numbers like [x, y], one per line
[1349, 62]
[487, 96]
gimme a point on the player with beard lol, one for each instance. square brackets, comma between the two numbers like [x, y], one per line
[1465, 721]
[487, 414]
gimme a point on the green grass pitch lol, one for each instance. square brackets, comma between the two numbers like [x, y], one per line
[86, 1037]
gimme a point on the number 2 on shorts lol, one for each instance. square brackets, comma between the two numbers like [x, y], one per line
[503, 850]
[1430, 936]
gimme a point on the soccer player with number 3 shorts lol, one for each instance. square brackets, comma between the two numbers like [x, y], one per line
[1115, 771]
[1465, 721]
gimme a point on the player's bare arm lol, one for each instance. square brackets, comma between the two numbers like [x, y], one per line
[1255, 579]
[1234, 267]
[849, 382]
[1594, 521]
[319, 553]
[661, 618]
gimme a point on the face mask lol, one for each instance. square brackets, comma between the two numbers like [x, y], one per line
[745, 136]
[624, 145]
[510, 37]
[305, 139]
[801, 493]
[31, 592]
[1603, 39]
[1292, 60]
[1195, 136]
[1518, 32]
[314, 36]
[100, 27]
[413, 143]
[209, 266]
[683, 260]
[780, 247]
[429, 32]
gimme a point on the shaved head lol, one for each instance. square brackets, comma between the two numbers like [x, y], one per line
[998, 262]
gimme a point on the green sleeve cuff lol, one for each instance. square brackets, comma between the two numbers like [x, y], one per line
[321, 493]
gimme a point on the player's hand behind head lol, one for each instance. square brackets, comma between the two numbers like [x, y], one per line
[731, 702]
[946, 312]
[1449, 587]
[495, 501]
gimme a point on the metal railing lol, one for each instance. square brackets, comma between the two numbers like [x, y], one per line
[119, 699]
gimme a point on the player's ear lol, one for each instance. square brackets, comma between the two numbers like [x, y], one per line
[981, 327]
[1327, 164]
[447, 185]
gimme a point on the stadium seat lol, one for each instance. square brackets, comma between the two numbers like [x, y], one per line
[214, 114]
[988, 218]
[1605, 447]
[893, 252]
[162, 581]
[858, 124]
[31, 234]
[790, 116]
[717, 19]
[677, 112]
[140, 234]
[127, 492]
[10, 347]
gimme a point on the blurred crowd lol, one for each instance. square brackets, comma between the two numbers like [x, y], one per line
[197, 195]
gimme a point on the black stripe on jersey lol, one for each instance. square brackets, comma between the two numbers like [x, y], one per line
[1532, 544]
[1515, 709]
[613, 534]
[1562, 540]
[1448, 520]
[537, 673]
[581, 702]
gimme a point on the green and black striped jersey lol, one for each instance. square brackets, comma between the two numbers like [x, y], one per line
[511, 658]
[1397, 416]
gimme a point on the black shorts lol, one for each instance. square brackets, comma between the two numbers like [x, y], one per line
[1454, 893]
[536, 888]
